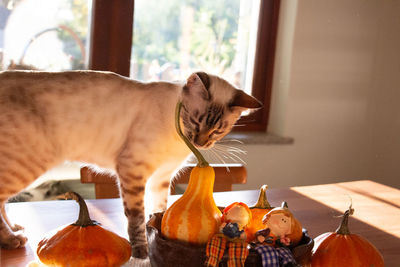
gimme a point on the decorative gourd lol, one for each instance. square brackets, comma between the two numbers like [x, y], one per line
[296, 232]
[83, 243]
[258, 211]
[194, 217]
[341, 248]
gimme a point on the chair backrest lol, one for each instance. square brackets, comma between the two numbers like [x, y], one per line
[226, 175]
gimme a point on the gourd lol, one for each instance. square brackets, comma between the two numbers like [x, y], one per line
[84, 243]
[258, 211]
[342, 248]
[194, 217]
[296, 228]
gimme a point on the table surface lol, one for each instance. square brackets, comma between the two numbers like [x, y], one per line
[376, 217]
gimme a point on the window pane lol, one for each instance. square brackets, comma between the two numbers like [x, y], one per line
[44, 34]
[174, 38]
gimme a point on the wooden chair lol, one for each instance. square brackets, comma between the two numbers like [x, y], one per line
[226, 175]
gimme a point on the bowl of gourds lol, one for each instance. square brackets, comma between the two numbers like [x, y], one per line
[183, 239]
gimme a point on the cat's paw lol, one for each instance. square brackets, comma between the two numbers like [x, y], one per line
[14, 241]
[140, 251]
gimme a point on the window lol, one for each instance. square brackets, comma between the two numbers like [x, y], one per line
[52, 38]
[112, 28]
[175, 38]
[148, 39]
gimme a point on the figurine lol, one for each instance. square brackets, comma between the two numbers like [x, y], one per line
[273, 241]
[234, 220]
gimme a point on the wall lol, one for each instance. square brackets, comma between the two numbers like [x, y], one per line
[336, 92]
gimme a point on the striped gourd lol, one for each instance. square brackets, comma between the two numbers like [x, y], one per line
[194, 217]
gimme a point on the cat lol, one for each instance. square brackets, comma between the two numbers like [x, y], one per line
[114, 122]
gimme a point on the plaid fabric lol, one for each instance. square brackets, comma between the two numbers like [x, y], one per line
[275, 257]
[215, 250]
[238, 253]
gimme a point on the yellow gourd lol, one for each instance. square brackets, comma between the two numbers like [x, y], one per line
[258, 212]
[194, 217]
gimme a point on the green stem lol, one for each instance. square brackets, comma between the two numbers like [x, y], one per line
[83, 219]
[201, 160]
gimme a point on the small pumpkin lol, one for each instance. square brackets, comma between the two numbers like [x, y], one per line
[342, 248]
[294, 234]
[194, 217]
[84, 243]
[258, 211]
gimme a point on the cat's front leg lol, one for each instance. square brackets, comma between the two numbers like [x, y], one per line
[13, 227]
[157, 189]
[133, 175]
[7, 238]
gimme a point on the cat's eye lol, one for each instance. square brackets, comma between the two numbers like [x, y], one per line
[215, 132]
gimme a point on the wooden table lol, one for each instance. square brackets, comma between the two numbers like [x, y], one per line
[376, 217]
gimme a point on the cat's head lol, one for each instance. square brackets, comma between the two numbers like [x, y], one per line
[211, 106]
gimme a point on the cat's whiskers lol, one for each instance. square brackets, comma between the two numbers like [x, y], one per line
[231, 148]
[220, 158]
[228, 152]
[237, 157]
[229, 155]
[209, 155]
[230, 140]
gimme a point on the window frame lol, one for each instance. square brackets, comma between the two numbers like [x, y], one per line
[111, 44]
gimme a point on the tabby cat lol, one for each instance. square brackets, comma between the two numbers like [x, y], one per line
[116, 123]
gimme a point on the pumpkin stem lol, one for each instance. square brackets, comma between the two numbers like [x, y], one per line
[262, 202]
[84, 218]
[201, 160]
[343, 229]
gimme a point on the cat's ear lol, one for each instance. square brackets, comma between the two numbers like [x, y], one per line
[242, 102]
[195, 92]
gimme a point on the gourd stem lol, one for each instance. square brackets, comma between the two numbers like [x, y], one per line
[83, 219]
[343, 229]
[201, 160]
[262, 202]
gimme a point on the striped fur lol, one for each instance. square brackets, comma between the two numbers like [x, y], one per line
[104, 119]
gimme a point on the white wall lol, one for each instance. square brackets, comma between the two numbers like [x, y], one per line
[336, 92]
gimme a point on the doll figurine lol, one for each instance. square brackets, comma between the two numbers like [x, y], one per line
[278, 227]
[273, 241]
[234, 220]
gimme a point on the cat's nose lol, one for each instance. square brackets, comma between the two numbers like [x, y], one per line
[200, 140]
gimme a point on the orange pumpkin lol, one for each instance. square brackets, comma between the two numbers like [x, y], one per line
[84, 243]
[194, 217]
[258, 211]
[341, 248]
[296, 231]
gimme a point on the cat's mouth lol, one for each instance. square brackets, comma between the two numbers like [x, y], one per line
[207, 145]
[200, 142]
